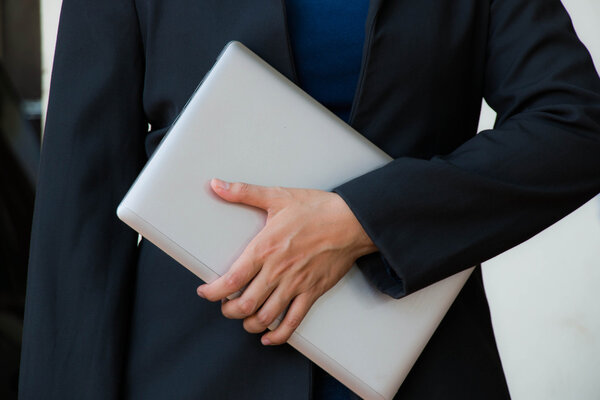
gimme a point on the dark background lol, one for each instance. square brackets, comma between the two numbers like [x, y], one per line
[20, 130]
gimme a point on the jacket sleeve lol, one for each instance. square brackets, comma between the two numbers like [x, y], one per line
[82, 258]
[433, 218]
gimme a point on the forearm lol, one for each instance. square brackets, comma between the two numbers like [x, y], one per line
[432, 218]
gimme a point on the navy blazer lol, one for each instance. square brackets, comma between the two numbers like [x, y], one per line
[108, 319]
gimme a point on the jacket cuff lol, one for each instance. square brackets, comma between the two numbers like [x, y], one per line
[378, 271]
[374, 266]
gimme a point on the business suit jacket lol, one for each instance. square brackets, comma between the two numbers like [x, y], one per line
[106, 319]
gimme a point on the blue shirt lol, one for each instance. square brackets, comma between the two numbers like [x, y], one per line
[327, 38]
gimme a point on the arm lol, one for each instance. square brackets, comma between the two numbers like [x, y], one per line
[82, 259]
[432, 218]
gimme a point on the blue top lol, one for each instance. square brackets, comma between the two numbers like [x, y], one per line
[327, 40]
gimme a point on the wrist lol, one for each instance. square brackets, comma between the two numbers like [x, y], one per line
[361, 242]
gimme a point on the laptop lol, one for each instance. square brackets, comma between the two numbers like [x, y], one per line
[247, 123]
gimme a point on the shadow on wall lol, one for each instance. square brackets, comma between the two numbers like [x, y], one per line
[19, 159]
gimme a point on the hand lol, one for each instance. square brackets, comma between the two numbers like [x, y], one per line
[310, 241]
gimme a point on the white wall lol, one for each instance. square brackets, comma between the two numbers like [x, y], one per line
[50, 10]
[545, 307]
[543, 294]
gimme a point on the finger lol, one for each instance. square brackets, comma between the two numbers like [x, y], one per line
[238, 276]
[241, 192]
[273, 307]
[294, 316]
[252, 298]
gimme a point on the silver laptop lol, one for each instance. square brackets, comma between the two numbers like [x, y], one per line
[247, 122]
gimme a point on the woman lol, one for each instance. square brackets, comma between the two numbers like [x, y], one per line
[106, 319]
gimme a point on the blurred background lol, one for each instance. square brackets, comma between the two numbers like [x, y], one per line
[20, 128]
[543, 296]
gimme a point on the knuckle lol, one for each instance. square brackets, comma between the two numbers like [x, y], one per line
[264, 318]
[264, 250]
[267, 246]
[247, 306]
[261, 251]
[272, 281]
[252, 252]
[251, 327]
[283, 270]
[288, 263]
[233, 281]
[226, 313]
[292, 322]
[247, 326]
[322, 286]
[301, 279]
[226, 310]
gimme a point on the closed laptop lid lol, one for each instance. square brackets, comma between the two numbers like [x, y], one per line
[246, 122]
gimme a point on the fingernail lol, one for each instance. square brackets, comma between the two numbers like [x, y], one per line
[199, 291]
[221, 184]
[265, 341]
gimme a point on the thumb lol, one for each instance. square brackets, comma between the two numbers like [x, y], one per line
[241, 192]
